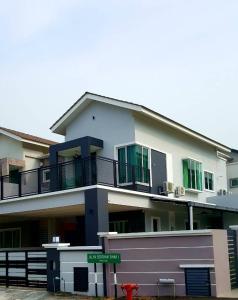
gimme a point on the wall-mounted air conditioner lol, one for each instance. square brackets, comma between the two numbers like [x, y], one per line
[168, 187]
[179, 191]
[222, 192]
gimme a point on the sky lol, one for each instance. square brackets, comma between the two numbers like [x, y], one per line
[178, 57]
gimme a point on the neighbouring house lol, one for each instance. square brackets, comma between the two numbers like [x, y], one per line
[232, 173]
[19, 152]
[229, 196]
[124, 168]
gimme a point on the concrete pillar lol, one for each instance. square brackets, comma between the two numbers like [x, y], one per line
[53, 266]
[96, 215]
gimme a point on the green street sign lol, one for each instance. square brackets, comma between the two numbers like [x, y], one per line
[104, 258]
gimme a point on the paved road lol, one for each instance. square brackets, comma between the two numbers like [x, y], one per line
[31, 294]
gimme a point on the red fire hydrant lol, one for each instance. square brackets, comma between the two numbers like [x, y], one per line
[129, 288]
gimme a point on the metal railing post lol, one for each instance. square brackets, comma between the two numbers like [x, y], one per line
[133, 171]
[2, 191]
[115, 173]
[19, 184]
[39, 180]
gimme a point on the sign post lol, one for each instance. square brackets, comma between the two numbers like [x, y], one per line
[96, 279]
[104, 258]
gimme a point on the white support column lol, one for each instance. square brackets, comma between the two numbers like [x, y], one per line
[190, 217]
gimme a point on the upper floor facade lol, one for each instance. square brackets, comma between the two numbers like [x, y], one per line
[151, 151]
[123, 145]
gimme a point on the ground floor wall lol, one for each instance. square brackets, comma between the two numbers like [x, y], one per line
[148, 259]
[162, 216]
[77, 276]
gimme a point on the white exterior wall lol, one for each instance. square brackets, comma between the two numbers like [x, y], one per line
[178, 146]
[14, 149]
[111, 124]
[73, 259]
[10, 148]
[232, 172]
[31, 158]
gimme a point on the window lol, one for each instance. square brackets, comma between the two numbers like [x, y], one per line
[133, 163]
[192, 174]
[155, 224]
[208, 181]
[46, 175]
[196, 225]
[118, 226]
[14, 176]
[171, 220]
[234, 182]
[10, 238]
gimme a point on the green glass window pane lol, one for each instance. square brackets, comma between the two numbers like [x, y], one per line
[131, 161]
[185, 174]
[122, 165]
[211, 182]
[145, 165]
[198, 183]
[206, 180]
[234, 182]
[193, 174]
[138, 164]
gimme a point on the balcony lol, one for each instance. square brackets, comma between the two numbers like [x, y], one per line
[74, 174]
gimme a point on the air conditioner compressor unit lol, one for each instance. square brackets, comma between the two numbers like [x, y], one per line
[168, 187]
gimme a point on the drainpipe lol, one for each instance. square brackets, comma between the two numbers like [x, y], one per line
[190, 215]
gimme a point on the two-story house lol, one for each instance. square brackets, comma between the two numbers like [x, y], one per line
[124, 168]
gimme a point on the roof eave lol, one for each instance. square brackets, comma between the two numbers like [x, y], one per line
[60, 125]
[188, 131]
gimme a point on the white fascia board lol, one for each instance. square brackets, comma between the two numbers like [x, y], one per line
[79, 248]
[157, 234]
[35, 143]
[50, 194]
[15, 137]
[11, 135]
[183, 129]
[58, 127]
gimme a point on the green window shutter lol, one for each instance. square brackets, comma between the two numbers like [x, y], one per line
[122, 165]
[185, 174]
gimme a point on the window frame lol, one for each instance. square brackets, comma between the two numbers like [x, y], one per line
[213, 181]
[121, 223]
[124, 146]
[202, 176]
[230, 181]
[3, 230]
[198, 222]
[44, 172]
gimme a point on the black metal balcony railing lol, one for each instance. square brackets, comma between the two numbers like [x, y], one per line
[73, 174]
